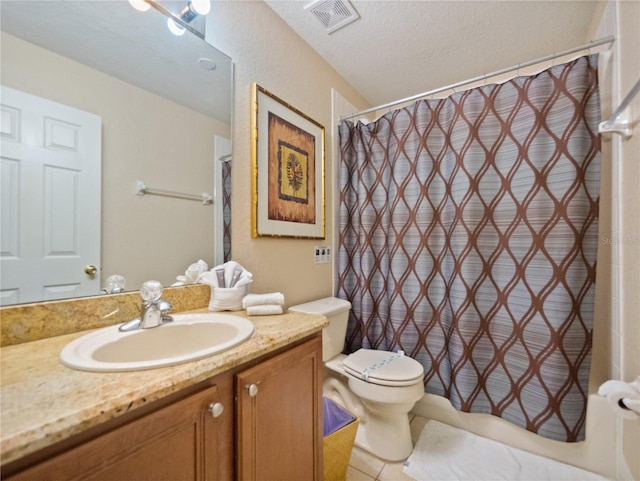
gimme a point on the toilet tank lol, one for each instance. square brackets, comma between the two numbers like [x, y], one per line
[337, 311]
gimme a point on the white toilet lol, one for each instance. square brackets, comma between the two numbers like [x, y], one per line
[379, 387]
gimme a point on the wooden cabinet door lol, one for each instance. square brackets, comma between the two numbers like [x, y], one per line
[279, 402]
[182, 441]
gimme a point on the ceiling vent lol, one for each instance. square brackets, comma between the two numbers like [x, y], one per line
[333, 14]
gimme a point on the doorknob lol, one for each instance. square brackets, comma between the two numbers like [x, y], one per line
[90, 270]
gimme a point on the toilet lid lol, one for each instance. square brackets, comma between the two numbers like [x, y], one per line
[383, 367]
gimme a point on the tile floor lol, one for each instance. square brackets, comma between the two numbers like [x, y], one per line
[366, 467]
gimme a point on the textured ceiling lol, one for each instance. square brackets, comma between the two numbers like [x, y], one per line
[400, 48]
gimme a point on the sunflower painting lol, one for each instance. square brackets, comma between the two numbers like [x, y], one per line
[291, 172]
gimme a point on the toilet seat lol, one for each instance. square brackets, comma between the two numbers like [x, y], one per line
[383, 368]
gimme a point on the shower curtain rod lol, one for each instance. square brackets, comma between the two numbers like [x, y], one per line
[589, 45]
[619, 122]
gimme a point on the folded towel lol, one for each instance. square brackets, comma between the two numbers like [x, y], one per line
[192, 274]
[264, 310]
[273, 298]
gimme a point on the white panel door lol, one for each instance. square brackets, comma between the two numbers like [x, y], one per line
[50, 200]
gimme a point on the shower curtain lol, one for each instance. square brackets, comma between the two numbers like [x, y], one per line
[468, 238]
[226, 210]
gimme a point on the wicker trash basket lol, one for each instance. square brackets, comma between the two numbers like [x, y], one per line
[340, 428]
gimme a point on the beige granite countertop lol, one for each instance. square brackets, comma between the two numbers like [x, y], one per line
[43, 402]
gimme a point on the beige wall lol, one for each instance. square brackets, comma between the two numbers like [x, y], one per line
[266, 51]
[143, 138]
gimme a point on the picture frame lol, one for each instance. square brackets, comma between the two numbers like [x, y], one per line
[287, 157]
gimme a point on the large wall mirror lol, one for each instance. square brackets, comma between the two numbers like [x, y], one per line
[162, 104]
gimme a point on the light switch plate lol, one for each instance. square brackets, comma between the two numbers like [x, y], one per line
[321, 254]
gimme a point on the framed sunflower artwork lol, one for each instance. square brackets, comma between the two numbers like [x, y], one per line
[287, 159]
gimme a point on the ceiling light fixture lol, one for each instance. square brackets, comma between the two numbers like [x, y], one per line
[177, 23]
[188, 14]
[174, 28]
[140, 5]
[195, 8]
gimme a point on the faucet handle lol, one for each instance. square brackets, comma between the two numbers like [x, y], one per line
[164, 306]
[151, 291]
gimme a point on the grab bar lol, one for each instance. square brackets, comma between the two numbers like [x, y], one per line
[142, 189]
[620, 120]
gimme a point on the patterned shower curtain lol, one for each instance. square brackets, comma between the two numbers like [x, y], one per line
[226, 210]
[468, 239]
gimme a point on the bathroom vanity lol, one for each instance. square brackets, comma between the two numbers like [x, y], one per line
[252, 412]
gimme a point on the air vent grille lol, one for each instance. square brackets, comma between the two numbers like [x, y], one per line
[333, 14]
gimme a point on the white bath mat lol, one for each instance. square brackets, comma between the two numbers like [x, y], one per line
[447, 453]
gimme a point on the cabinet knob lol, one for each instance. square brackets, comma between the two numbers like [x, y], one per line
[252, 389]
[216, 409]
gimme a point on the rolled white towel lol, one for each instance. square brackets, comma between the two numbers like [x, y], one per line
[264, 310]
[272, 298]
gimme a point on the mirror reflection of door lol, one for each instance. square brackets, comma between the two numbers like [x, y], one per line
[50, 221]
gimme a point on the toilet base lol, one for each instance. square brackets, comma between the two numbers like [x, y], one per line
[383, 429]
[388, 439]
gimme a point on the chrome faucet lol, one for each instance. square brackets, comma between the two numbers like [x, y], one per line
[154, 312]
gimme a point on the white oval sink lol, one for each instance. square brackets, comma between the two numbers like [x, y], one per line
[187, 338]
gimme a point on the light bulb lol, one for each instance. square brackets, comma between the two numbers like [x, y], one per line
[202, 7]
[174, 28]
[140, 5]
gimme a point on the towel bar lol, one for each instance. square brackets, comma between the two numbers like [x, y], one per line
[142, 189]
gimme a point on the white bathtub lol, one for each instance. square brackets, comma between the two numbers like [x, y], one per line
[597, 453]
